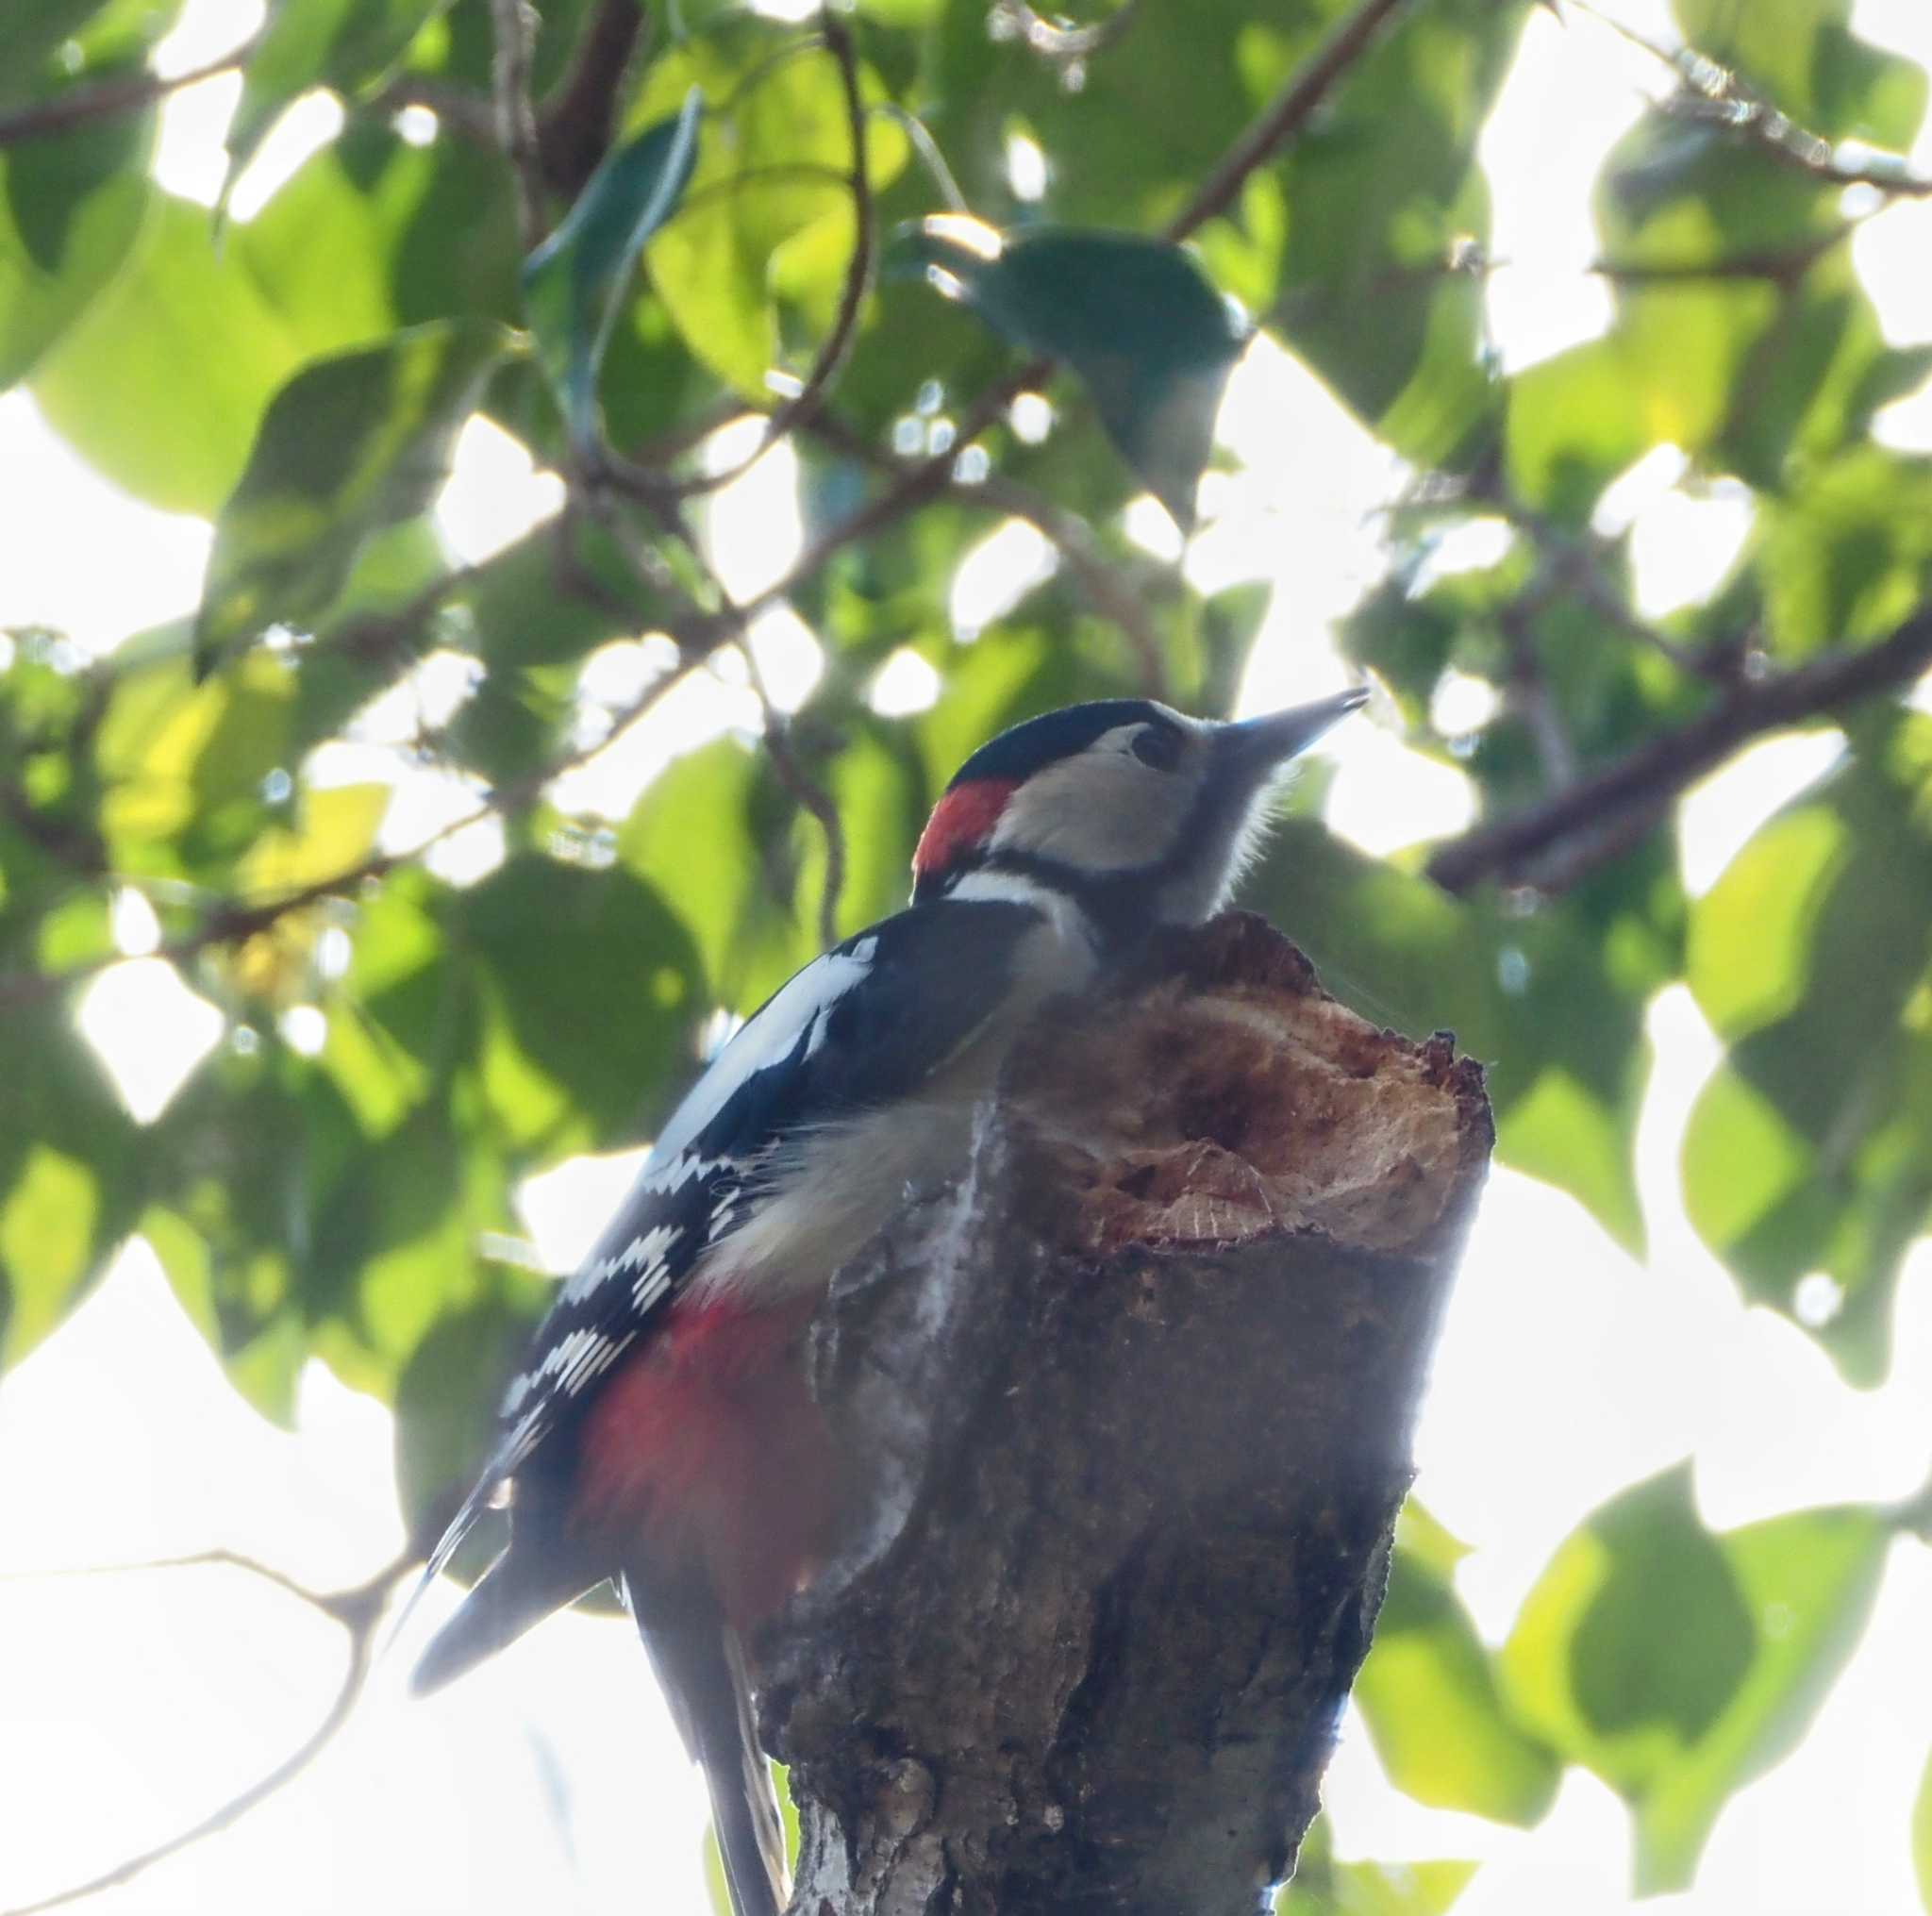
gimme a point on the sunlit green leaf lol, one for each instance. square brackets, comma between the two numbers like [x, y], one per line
[774, 162]
[348, 447]
[574, 282]
[1325, 1886]
[1922, 1836]
[1808, 1153]
[1428, 1694]
[1678, 1665]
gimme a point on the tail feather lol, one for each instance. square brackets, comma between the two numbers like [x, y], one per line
[700, 1667]
[520, 1588]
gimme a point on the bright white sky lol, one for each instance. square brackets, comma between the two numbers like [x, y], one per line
[552, 1778]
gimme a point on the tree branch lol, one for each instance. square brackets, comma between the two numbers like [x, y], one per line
[78, 104]
[1292, 109]
[514, 22]
[1639, 786]
[358, 1610]
[1134, 1397]
[575, 126]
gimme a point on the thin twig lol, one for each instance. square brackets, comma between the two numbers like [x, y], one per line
[468, 114]
[359, 1610]
[1649, 778]
[514, 22]
[1529, 693]
[79, 104]
[1715, 92]
[1294, 108]
[804, 403]
[1097, 570]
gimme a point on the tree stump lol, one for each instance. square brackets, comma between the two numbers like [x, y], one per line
[1132, 1404]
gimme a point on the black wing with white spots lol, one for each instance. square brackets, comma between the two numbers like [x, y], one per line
[865, 1024]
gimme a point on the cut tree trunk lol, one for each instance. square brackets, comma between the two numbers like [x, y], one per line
[1135, 1399]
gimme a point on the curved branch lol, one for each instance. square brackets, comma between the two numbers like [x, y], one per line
[804, 405]
[1590, 820]
[359, 1610]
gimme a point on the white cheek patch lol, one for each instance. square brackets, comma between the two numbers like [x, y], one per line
[1102, 810]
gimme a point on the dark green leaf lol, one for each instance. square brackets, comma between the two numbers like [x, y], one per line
[70, 205]
[348, 447]
[574, 282]
[1135, 318]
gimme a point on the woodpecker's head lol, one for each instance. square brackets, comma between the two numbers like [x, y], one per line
[1142, 814]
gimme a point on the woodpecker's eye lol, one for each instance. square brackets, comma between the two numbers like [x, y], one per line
[1159, 746]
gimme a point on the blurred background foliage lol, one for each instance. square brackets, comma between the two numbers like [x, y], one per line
[617, 232]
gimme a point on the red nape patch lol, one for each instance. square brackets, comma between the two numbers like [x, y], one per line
[707, 1445]
[963, 819]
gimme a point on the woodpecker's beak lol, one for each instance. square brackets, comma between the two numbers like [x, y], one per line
[1256, 748]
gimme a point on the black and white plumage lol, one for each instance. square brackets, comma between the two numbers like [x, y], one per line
[634, 1441]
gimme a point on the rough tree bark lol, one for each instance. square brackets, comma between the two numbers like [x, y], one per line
[1136, 1395]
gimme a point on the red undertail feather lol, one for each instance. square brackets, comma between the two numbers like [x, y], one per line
[707, 1445]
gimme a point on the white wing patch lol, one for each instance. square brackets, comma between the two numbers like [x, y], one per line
[799, 1009]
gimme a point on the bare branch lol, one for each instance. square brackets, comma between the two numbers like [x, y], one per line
[359, 1610]
[1647, 779]
[110, 98]
[575, 128]
[515, 24]
[1292, 109]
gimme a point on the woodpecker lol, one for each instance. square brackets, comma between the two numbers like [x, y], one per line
[660, 1433]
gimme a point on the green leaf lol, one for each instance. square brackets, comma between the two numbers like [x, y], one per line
[351, 45]
[1678, 1665]
[1801, 55]
[70, 205]
[559, 1074]
[181, 765]
[1922, 1836]
[1137, 319]
[162, 384]
[575, 281]
[734, 902]
[67, 1175]
[1385, 212]
[1323, 1886]
[1435, 1715]
[1811, 1150]
[348, 447]
[774, 156]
